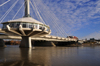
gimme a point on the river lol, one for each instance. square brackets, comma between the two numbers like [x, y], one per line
[12, 55]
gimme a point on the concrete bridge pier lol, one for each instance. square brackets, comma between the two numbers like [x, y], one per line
[2, 43]
[25, 42]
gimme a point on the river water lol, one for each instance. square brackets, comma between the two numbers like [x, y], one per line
[12, 55]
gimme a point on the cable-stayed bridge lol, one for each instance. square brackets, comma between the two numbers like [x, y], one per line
[28, 28]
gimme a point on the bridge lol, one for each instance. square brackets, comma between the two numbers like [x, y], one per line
[28, 28]
[41, 38]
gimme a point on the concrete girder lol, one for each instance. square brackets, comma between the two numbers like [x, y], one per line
[8, 28]
[21, 30]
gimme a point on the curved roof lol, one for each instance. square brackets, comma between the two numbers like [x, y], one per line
[24, 19]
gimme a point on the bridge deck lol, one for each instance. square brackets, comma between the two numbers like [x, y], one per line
[43, 38]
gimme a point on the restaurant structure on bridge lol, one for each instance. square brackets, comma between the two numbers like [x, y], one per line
[25, 25]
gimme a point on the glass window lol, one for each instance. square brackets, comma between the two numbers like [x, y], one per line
[4, 25]
[30, 25]
[27, 25]
[35, 26]
[24, 25]
[16, 25]
[12, 25]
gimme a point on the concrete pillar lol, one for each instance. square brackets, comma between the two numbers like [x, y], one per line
[53, 44]
[37, 26]
[2, 43]
[25, 42]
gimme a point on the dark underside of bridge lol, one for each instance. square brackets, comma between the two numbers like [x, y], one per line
[46, 43]
[52, 43]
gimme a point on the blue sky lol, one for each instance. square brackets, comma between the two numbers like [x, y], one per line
[79, 18]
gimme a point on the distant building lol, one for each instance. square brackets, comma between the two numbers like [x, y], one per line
[92, 39]
[72, 37]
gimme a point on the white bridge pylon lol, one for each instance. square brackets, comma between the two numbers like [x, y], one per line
[27, 29]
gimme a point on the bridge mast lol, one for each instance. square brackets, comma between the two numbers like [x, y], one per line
[27, 8]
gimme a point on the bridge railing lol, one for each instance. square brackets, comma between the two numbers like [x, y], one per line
[59, 38]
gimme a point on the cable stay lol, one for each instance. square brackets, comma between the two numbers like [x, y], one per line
[18, 11]
[54, 23]
[45, 18]
[34, 10]
[58, 23]
[37, 11]
[4, 3]
[7, 12]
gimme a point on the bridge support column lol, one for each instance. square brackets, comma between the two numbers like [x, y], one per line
[2, 43]
[25, 42]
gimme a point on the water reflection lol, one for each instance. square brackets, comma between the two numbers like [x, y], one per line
[50, 56]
